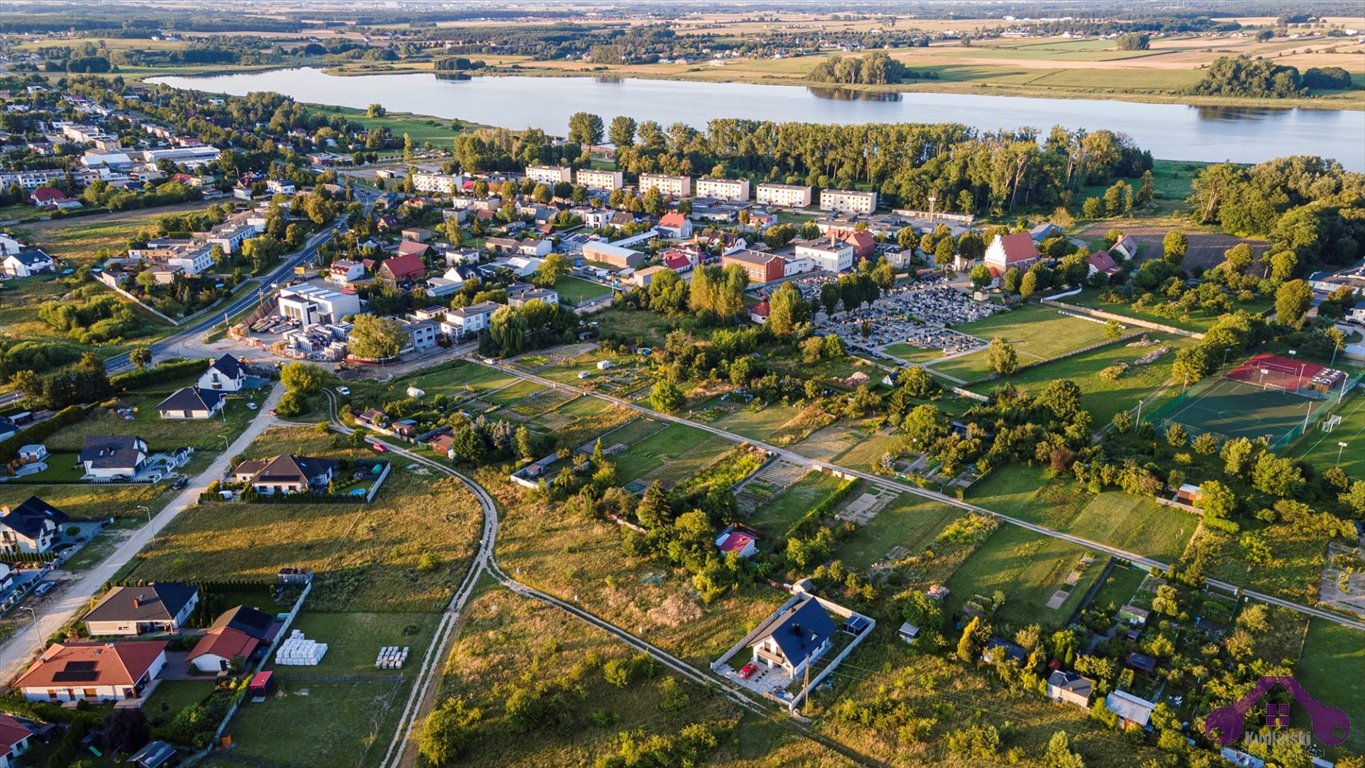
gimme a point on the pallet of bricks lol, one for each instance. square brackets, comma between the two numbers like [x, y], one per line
[391, 657]
[299, 651]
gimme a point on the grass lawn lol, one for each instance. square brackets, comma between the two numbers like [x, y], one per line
[1103, 398]
[512, 393]
[171, 696]
[635, 326]
[1320, 448]
[1037, 333]
[777, 515]
[361, 712]
[759, 422]
[91, 502]
[663, 445]
[911, 353]
[451, 379]
[687, 463]
[1331, 668]
[421, 128]
[1133, 523]
[1028, 568]
[576, 290]
[1118, 588]
[365, 556]
[1194, 320]
[909, 521]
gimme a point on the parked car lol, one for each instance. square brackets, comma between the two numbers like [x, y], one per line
[747, 671]
[44, 588]
[251, 406]
[379, 448]
[344, 391]
[180, 483]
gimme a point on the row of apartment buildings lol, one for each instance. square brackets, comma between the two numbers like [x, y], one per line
[730, 190]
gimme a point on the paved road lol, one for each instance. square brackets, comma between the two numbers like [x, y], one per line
[897, 485]
[65, 604]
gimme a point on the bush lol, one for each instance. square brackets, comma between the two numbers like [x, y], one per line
[157, 374]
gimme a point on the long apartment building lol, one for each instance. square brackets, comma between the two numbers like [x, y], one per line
[848, 201]
[437, 183]
[549, 174]
[595, 179]
[734, 190]
[673, 186]
[784, 195]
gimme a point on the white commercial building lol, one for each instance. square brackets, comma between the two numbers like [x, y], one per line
[673, 186]
[314, 304]
[549, 174]
[829, 255]
[595, 179]
[734, 190]
[848, 201]
[784, 195]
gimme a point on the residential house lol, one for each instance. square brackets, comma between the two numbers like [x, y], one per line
[467, 320]
[830, 255]
[675, 226]
[27, 262]
[760, 267]
[864, 244]
[1188, 493]
[1070, 688]
[230, 239]
[1100, 262]
[227, 374]
[285, 473]
[742, 543]
[848, 201]
[793, 638]
[1133, 712]
[30, 528]
[1126, 247]
[997, 648]
[8, 428]
[192, 403]
[908, 632]
[758, 313]
[238, 633]
[51, 197]
[1133, 615]
[1006, 251]
[131, 611]
[280, 187]
[417, 234]
[643, 277]
[783, 195]
[520, 297]
[412, 249]
[14, 741]
[1140, 662]
[94, 672]
[421, 335]
[113, 457]
[344, 272]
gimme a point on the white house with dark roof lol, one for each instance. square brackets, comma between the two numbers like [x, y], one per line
[132, 611]
[1070, 688]
[113, 457]
[463, 321]
[793, 638]
[27, 262]
[32, 527]
[285, 474]
[225, 375]
[192, 403]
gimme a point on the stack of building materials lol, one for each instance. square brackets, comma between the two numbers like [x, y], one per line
[299, 651]
[391, 657]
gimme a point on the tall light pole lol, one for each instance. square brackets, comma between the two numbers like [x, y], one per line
[37, 625]
[932, 199]
[147, 510]
[1341, 446]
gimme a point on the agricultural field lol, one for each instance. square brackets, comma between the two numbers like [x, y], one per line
[1101, 396]
[423, 129]
[79, 239]
[1028, 568]
[1037, 332]
[366, 556]
[362, 703]
[910, 522]
[1330, 668]
[1132, 523]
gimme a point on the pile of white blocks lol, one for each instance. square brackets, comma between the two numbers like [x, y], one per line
[299, 651]
[391, 657]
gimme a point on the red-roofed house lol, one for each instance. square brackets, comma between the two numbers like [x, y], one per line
[864, 246]
[92, 671]
[413, 247]
[1101, 261]
[740, 542]
[403, 268]
[675, 226]
[1016, 250]
[14, 738]
[51, 197]
[218, 647]
[678, 262]
[759, 312]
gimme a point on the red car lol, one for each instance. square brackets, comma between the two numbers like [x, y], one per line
[379, 448]
[747, 671]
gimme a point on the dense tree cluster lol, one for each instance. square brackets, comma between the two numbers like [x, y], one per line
[873, 68]
[1245, 76]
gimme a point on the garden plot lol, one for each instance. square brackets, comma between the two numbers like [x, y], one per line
[864, 508]
[768, 483]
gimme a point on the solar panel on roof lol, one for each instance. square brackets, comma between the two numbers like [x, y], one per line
[75, 676]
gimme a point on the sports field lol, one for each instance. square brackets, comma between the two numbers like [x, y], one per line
[1322, 449]
[1241, 409]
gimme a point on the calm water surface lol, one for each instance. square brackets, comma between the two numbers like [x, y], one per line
[1169, 131]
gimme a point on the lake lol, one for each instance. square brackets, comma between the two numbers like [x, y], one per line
[1169, 131]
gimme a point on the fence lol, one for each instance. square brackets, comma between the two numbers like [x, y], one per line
[1123, 319]
[369, 497]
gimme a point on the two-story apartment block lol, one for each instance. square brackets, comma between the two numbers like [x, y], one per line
[830, 255]
[848, 201]
[549, 174]
[465, 321]
[733, 190]
[604, 180]
[673, 186]
[783, 195]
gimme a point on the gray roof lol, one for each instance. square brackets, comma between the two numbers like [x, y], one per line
[229, 366]
[154, 755]
[112, 451]
[288, 468]
[153, 602]
[32, 257]
[1070, 681]
[29, 519]
[799, 630]
[191, 399]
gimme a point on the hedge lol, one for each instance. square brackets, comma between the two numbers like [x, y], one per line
[805, 526]
[134, 379]
[9, 448]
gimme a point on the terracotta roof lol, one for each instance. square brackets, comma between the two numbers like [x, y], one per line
[11, 732]
[405, 265]
[672, 220]
[412, 247]
[760, 309]
[225, 642]
[91, 665]
[1102, 261]
[1018, 247]
[861, 239]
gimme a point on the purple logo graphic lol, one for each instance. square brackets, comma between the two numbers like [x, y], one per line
[1224, 725]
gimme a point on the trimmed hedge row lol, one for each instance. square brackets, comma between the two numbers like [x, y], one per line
[807, 524]
[9, 448]
[134, 379]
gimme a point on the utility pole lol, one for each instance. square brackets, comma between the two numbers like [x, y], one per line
[805, 684]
